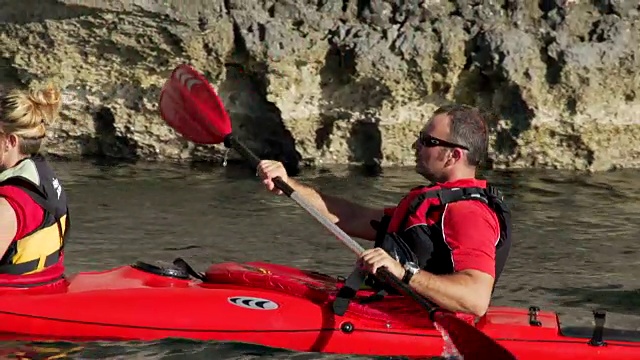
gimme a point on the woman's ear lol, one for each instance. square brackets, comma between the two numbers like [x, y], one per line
[11, 141]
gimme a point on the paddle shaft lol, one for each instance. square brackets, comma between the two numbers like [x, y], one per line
[232, 142]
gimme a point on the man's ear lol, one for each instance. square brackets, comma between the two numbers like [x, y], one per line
[456, 154]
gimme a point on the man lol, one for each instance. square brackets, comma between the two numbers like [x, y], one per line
[449, 241]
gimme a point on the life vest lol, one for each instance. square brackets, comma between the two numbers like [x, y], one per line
[28, 259]
[397, 235]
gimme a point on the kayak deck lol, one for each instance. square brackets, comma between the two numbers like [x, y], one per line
[271, 305]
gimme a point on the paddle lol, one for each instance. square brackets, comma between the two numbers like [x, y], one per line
[189, 105]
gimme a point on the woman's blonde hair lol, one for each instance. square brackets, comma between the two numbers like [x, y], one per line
[26, 113]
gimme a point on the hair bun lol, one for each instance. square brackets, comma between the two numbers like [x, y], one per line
[46, 103]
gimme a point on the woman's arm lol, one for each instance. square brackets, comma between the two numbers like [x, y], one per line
[8, 225]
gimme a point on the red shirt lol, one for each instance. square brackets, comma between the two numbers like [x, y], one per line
[470, 229]
[29, 214]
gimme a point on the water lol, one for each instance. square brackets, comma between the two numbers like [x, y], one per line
[575, 237]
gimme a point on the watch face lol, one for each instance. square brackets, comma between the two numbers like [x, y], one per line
[413, 267]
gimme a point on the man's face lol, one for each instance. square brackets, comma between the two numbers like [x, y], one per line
[434, 154]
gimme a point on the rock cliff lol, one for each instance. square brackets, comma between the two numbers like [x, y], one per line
[338, 81]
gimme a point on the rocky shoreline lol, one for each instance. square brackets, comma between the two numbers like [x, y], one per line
[335, 82]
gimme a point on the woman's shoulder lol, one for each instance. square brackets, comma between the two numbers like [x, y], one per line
[29, 214]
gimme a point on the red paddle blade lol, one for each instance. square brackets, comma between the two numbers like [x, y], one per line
[190, 106]
[471, 342]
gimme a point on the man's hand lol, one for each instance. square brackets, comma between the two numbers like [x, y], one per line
[269, 169]
[373, 259]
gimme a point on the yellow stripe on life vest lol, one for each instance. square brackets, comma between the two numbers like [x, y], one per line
[39, 245]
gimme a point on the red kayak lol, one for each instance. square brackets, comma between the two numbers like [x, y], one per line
[271, 305]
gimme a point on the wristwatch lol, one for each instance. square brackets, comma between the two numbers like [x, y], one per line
[410, 269]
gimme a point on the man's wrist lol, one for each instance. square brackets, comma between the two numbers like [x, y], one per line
[404, 274]
[410, 270]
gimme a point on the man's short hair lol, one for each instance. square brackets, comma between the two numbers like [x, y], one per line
[468, 127]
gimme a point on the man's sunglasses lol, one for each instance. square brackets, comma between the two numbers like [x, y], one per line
[430, 141]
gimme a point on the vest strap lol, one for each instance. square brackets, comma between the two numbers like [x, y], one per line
[445, 196]
[23, 268]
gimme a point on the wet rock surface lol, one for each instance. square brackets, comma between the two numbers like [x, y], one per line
[347, 81]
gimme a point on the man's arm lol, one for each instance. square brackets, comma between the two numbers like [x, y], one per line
[354, 219]
[467, 291]
[471, 232]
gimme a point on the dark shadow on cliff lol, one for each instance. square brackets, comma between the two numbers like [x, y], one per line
[484, 84]
[106, 147]
[256, 121]
[344, 95]
[365, 144]
[609, 297]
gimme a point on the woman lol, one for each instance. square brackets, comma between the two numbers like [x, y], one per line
[33, 205]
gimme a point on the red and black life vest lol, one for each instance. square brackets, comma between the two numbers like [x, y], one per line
[413, 234]
[37, 258]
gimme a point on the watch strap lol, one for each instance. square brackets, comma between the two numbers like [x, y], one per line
[408, 274]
